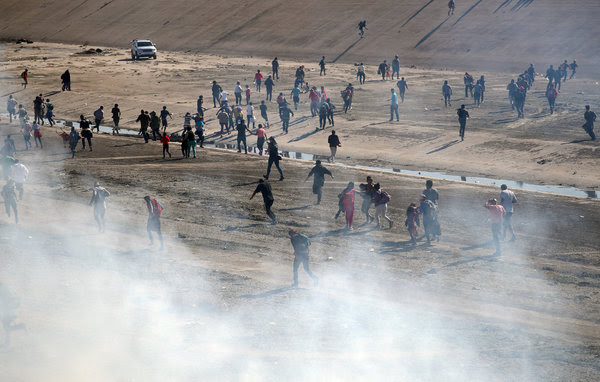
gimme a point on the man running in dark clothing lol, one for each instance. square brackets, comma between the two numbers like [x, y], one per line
[463, 115]
[144, 120]
[301, 255]
[362, 26]
[154, 213]
[402, 86]
[275, 67]
[265, 189]
[319, 173]
[573, 68]
[590, 117]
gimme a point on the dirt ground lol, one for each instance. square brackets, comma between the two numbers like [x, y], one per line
[216, 304]
[541, 149]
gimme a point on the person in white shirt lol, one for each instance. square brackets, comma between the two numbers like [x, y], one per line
[99, 195]
[507, 199]
[238, 93]
[19, 175]
[223, 98]
[250, 115]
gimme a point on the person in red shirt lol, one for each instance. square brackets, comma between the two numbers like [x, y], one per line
[497, 213]
[165, 141]
[258, 79]
[347, 198]
[314, 101]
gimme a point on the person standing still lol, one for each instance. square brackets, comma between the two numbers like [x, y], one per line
[275, 68]
[116, 117]
[507, 199]
[265, 189]
[322, 66]
[463, 115]
[300, 243]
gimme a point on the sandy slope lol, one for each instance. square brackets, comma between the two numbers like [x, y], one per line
[499, 35]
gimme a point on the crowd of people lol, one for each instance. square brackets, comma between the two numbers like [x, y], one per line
[233, 116]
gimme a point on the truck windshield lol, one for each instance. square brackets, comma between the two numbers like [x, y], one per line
[144, 43]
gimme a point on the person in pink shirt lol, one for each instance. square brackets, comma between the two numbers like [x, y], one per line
[258, 79]
[314, 101]
[497, 213]
[261, 137]
[348, 204]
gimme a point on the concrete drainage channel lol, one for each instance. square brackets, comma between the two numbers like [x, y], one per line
[554, 189]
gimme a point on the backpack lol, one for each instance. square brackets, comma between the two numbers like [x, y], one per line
[385, 197]
[431, 211]
[156, 208]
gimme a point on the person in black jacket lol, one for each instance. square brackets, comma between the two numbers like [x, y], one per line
[265, 189]
[319, 173]
[334, 143]
[463, 115]
[301, 255]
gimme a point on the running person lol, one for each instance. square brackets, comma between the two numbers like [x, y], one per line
[99, 195]
[274, 157]
[153, 225]
[116, 117]
[319, 172]
[301, 255]
[10, 199]
[265, 189]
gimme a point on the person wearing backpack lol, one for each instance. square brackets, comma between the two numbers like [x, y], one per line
[153, 225]
[323, 112]
[429, 211]
[551, 94]
[319, 173]
[49, 113]
[381, 199]
[98, 117]
[99, 195]
[301, 255]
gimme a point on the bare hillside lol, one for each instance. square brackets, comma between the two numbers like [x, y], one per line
[495, 34]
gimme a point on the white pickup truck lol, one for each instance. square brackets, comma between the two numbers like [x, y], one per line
[142, 48]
